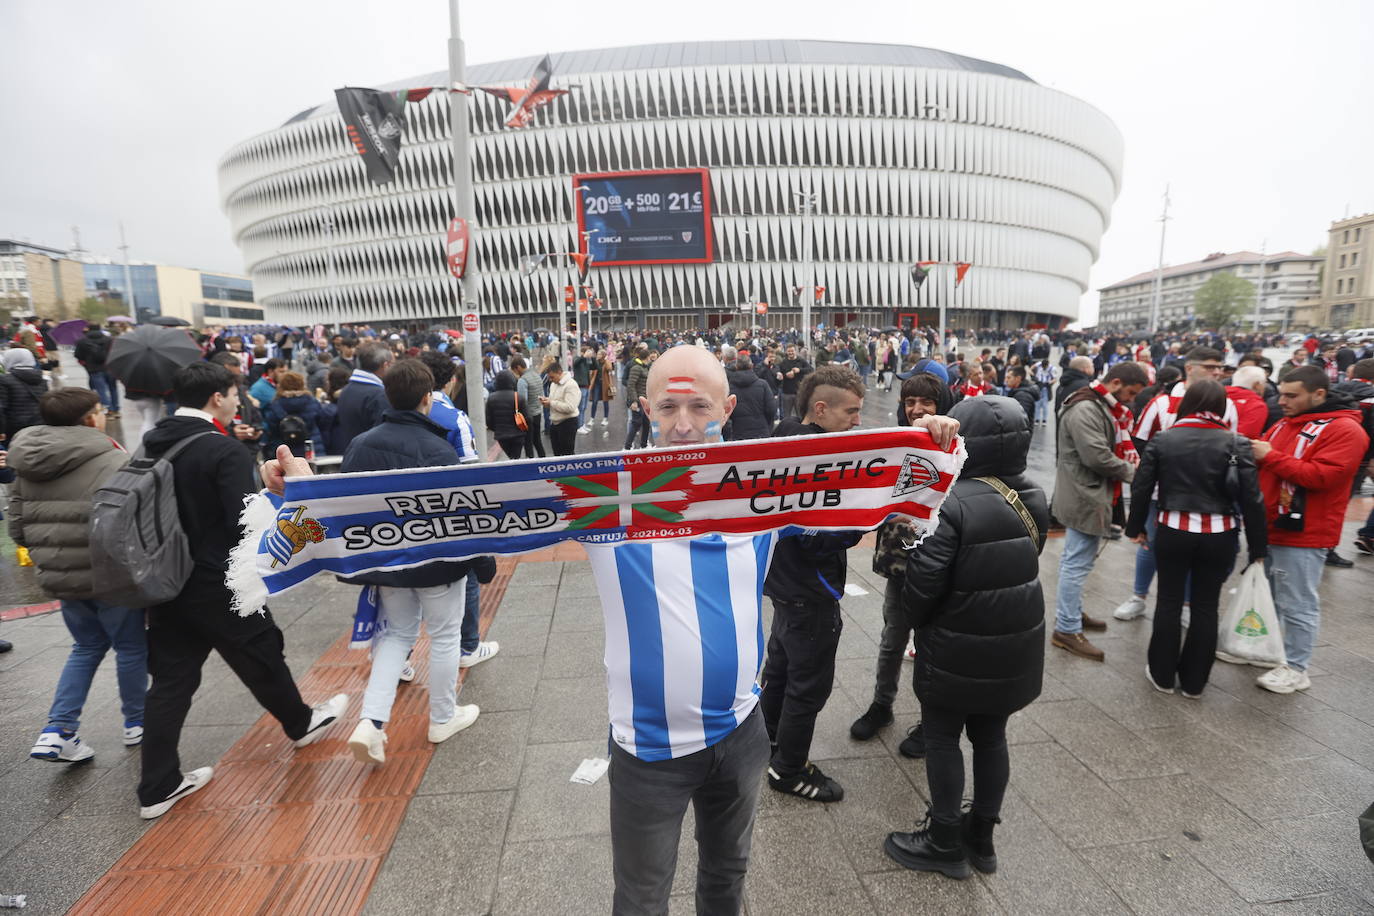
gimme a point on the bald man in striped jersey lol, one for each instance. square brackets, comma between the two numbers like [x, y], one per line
[684, 645]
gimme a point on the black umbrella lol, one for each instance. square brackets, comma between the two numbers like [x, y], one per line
[170, 321]
[892, 329]
[145, 358]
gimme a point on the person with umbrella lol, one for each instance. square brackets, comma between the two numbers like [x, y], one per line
[91, 352]
[145, 360]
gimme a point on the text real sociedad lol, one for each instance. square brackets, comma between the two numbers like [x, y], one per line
[458, 513]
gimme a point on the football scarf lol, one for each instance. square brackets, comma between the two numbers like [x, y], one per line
[1293, 498]
[389, 520]
[1125, 445]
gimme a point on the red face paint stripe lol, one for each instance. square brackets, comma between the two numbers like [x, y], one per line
[682, 378]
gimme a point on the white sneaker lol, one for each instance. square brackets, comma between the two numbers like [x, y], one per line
[133, 735]
[483, 652]
[368, 743]
[605, 421]
[322, 715]
[1284, 679]
[1130, 609]
[584, 429]
[1153, 683]
[408, 673]
[191, 782]
[463, 716]
[52, 746]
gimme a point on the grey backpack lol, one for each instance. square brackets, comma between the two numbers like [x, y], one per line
[139, 554]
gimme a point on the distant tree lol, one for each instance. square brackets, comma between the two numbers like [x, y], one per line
[97, 310]
[1222, 299]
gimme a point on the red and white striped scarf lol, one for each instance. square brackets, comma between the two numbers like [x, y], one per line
[1288, 490]
[1123, 418]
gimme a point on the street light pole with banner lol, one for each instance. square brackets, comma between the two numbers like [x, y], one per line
[464, 213]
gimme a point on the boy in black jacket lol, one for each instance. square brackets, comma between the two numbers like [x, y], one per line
[433, 593]
[212, 475]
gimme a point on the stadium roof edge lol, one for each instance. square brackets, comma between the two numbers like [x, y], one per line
[706, 54]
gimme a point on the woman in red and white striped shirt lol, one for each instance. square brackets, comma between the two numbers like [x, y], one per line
[1206, 487]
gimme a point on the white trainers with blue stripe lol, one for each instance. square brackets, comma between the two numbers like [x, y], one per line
[51, 745]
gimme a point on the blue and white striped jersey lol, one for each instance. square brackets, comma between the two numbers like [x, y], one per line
[443, 412]
[684, 638]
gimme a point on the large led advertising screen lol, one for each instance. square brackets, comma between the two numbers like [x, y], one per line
[661, 217]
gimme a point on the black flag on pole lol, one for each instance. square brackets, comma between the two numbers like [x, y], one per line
[375, 125]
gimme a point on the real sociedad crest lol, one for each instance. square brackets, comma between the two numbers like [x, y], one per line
[293, 531]
[917, 473]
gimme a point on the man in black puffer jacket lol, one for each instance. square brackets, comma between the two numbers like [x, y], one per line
[432, 592]
[1078, 375]
[1023, 391]
[973, 596]
[755, 407]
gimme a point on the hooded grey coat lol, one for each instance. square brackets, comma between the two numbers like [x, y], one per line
[58, 470]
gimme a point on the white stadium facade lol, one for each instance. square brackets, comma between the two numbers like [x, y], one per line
[909, 154]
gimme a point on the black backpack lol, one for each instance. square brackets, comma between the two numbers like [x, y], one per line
[294, 433]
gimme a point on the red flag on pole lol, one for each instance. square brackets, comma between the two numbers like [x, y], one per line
[458, 247]
[820, 293]
[584, 264]
[528, 99]
[960, 269]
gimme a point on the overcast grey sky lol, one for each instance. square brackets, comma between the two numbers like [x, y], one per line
[1260, 115]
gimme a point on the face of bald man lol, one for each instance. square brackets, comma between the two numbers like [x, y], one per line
[688, 399]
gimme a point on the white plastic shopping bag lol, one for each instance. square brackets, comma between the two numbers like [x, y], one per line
[1249, 631]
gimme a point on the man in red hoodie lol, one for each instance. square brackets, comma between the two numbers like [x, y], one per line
[1307, 461]
[1246, 391]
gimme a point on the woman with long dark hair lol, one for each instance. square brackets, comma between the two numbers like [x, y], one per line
[1207, 489]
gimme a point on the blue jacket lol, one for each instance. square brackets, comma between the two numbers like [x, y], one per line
[405, 439]
[263, 391]
[360, 408]
[302, 405]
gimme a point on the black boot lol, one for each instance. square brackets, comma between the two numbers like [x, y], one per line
[976, 835]
[867, 725]
[914, 744]
[931, 847]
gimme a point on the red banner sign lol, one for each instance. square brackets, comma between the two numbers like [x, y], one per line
[458, 247]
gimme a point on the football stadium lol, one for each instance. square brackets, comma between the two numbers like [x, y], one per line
[711, 183]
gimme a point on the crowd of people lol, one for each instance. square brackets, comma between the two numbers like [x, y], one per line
[1180, 443]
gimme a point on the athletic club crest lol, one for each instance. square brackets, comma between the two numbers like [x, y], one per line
[686, 237]
[917, 473]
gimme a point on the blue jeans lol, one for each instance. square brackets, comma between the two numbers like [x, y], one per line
[106, 387]
[1295, 574]
[471, 638]
[1368, 530]
[1145, 559]
[582, 409]
[1080, 553]
[605, 406]
[97, 627]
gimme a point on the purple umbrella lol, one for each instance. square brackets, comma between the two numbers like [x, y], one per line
[69, 332]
